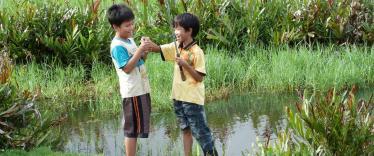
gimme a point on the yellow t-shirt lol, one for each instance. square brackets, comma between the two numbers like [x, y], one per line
[189, 90]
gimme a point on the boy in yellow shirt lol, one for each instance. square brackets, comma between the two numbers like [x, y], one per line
[188, 91]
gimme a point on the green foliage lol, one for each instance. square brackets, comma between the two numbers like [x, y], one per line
[67, 33]
[77, 31]
[45, 151]
[330, 125]
[257, 69]
[235, 24]
[278, 69]
[21, 123]
[342, 21]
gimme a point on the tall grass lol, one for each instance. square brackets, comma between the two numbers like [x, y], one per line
[45, 151]
[224, 74]
[23, 124]
[258, 69]
[64, 87]
[319, 68]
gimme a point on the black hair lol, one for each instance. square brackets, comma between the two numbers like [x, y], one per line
[187, 20]
[119, 13]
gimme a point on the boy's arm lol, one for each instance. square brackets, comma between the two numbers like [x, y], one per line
[167, 51]
[156, 48]
[153, 47]
[124, 61]
[145, 40]
[131, 64]
[198, 76]
[195, 74]
[144, 56]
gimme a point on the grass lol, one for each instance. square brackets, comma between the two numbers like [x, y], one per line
[321, 68]
[45, 151]
[257, 69]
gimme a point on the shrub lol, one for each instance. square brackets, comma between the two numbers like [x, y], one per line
[330, 125]
[21, 123]
[54, 33]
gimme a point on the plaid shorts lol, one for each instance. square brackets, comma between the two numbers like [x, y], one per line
[136, 116]
[190, 115]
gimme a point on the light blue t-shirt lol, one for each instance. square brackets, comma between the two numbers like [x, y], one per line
[135, 82]
[121, 55]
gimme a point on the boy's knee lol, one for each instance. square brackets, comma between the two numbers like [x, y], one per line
[187, 131]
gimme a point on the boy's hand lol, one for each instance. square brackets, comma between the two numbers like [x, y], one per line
[151, 45]
[144, 39]
[144, 45]
[148, 44]
[181, 62]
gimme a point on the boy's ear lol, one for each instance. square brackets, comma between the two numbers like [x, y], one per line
[189, 30]
[115, 27]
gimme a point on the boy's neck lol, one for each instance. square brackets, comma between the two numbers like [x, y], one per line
[117, 36]
[187, 42]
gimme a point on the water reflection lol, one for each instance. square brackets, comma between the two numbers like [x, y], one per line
[236, 123]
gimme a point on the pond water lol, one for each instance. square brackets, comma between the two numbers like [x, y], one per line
[237, 124]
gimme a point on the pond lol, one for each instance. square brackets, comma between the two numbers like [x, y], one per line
[238, 123]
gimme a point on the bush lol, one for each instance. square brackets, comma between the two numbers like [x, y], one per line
[21, 123]
[234, 24]
[330, 125]
[64, 33]
[54, 33]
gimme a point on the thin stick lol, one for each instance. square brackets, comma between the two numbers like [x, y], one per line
[174, 40]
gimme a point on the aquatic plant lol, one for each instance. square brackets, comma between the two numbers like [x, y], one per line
[334, 124]
[21, 123]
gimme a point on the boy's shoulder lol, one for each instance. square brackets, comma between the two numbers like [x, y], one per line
[122, 42]
[196, 49]
[117, 40]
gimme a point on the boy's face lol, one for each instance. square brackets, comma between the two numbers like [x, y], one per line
[181, 34]
[125, 30]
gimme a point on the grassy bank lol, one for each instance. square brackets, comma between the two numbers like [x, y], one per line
[257, 69]
[45, 151]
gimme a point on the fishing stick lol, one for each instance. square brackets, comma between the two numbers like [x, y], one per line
[175, 39]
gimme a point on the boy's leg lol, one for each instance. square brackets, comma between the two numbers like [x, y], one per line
[135, 121]
[136, 116]
[183, 124]
[197, 121]
[187, 141]
[130, 146]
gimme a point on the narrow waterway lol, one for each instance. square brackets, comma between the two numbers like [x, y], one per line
[237, 124]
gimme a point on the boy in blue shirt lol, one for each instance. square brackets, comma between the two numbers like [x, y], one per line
[132, 75]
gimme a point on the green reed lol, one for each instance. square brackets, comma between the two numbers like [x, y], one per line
[258, 69]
